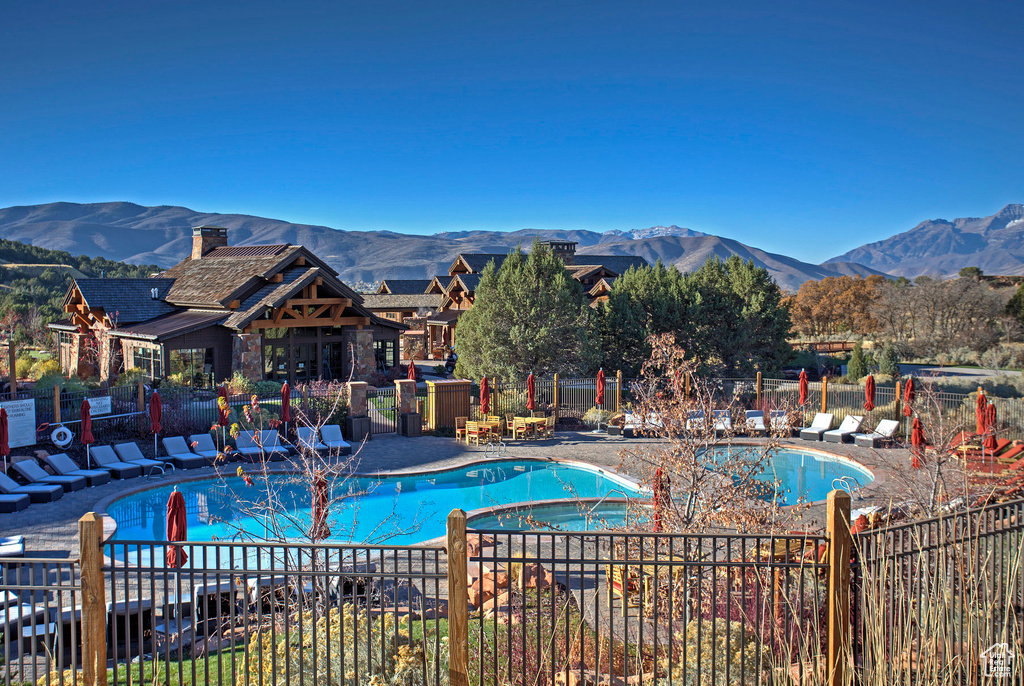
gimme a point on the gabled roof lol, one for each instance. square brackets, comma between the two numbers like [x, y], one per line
[389, 301]
[271, 295]
[437, 284]
[601, 287]
[403, 286]
[445, 318]
[171, 325]
[469, 282]
[124, 301]
[476, 262]
[614, 263]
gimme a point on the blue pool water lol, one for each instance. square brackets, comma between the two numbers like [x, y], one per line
[401, 509]
[805, 476]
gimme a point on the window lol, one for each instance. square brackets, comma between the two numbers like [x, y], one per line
[150, 361]
[194, 366]
[384, 353]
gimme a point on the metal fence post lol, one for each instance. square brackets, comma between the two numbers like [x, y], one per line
[618, 391]
[458, 601]
[94, 604]
[840, 548]
[556, 397]
[824, 394]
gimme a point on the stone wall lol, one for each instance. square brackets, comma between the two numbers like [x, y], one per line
[360, 344]
[247, 355]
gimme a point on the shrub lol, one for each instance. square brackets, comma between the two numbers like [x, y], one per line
[131, 377]
[45, 384]
[377, 378]
[594, 416]
[724, 647]
[267, 388]
[23, 366]
[440, 370]
[44, 367]
[238, 384]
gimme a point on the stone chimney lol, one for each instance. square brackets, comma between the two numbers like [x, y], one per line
[566, 250]
[206, 238]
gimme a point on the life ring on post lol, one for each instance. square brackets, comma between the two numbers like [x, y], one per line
[62, 437]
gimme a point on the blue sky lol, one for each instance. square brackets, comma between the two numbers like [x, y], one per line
[802, 128]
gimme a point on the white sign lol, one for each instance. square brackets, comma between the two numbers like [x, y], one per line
[998, 661]
[99, 405]
[21, 422]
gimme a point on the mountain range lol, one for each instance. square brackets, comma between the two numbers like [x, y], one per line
[160, 235]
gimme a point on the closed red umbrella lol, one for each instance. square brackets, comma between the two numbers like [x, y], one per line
[87, 438]
[531, 393]
[177, 529]
[979, 413]
[485, 397]
[319, 530]
[412, 371]
[869, 393]
[156, 410]
[803, 386]
[908, 397]
[599, 399]
[990, 428]
[916, 444]
[5, 447]
[286, 403]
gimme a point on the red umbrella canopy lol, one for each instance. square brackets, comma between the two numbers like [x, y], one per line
[803, 386]
[917, 444]
[319, 530]
[869, 393]
[412, 370]
[485, 397]
[908, 397]
[223, 406]
[177, 529]
[87, 438]
[531, 393]
[979, 414]
[156, 410]
[599, 399]
[5, 447]
[286, 402]
[990, 428]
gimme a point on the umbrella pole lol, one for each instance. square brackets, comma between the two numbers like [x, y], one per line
[88, 459]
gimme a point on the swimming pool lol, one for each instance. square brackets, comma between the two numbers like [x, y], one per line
[401, 509]
[805, 475]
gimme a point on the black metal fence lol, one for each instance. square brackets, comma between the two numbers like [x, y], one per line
[382, 408]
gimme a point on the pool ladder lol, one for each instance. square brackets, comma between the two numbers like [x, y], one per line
[499, 449]
[590, 513]
[843, 482]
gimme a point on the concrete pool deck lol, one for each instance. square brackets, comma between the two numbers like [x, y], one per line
[51, 530]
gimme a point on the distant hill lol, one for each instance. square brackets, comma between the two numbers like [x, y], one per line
[942, 248]
[137, 234]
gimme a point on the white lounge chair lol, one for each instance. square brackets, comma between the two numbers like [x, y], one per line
[309, 439]
[822, 423]
[130, 453]
[179, 454]
[723, 421]
[755, 422]
[271, 441]
[106, 458]
[885, 432]
[14, 502]
[780, 421]
[34, 474]
[844, 434]
[695, 420]
[65, 466]
[330, 434]
[12, 546]
[38, 493]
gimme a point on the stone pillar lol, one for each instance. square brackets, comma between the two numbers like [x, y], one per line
[410, 423]
[247, 355]
[357, 422]
[359, 343]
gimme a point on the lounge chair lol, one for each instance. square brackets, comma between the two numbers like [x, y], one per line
[65, 466]
[181, 457]
[822, 423]
[755, 422]
[780, 421]
[38, 493]
[249, 446]
[271, 441]
[331, 435]
[107, 459]
[695, 421]
[14, 502]
[884, 432]
[723, 421]
[12, 546]
[130, 453]
[34, 474]
[844, 434]
[202, 444]
[309, 439]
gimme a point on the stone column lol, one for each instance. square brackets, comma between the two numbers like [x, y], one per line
[357, 422]
[359, 343]
[410, 423]
[247, 355]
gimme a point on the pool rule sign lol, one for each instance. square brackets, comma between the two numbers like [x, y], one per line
[21, 422]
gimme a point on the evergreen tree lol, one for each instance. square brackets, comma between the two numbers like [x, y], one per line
[889, 361]
[857, 367]
[529, 315]
[1015, 307]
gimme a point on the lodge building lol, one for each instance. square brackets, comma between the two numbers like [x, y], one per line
[270, 312]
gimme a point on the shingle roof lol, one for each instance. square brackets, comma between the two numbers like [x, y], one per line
[616, 263]
[477, 261]
[445, 318]
[211, 281]
[403, 286]
[270, 294]
[126, 301]
[469, 282]
[171, 325]
[394, 301]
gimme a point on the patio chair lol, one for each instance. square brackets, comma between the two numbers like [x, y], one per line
[548, 428]
[38, 493]
[780, 421]
[202, 444]
[309, 438]
[723, 422]
[34, 474]
[271, 440]
[520, 429]
[822, 423]
[460, 429]
[105, 457]
[755, 422]
[844, 434]
[331, 435]
[181, 457]
[476, 433]
[249, 445]
[65, 466]
[130, 453]
[695, 420]
[510, 418]
[885, 432]
[623, 583]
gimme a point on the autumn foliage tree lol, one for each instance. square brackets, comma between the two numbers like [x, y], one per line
[835, 304]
